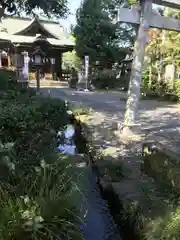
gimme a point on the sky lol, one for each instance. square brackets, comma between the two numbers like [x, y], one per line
[73, 6]
[71, 20]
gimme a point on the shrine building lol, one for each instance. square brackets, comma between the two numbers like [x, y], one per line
[18, 36]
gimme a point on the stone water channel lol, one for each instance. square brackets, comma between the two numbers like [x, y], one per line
[98, 221]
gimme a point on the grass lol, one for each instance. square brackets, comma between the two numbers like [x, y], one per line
[41, 203]
[40, 189]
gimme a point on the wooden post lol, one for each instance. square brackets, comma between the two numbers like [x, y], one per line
[38, 80]
[137, 65]
[60, 67]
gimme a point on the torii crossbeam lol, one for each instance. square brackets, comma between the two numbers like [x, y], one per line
[168, 3]
[145, 17]
[133, 15]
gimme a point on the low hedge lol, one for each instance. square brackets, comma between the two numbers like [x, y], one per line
[73, 79]
[162, 90]
[163, 167]
[177, 88]
[104, 79]
[7, 79]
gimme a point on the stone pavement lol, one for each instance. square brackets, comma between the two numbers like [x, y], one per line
[49, 83]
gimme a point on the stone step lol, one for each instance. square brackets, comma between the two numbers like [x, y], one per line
[49, 83]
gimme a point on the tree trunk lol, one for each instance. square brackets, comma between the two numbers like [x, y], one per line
[137, 65]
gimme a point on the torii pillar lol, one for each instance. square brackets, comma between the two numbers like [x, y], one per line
[145, 18]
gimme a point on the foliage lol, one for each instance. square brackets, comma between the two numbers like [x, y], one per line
[73, 79]
[104, 79]
[30, 209]
[38, 186]
[177, 88]
[97, 35]
[163, 224]
[80, 111]
[32, 127]
[163, 49]
[153, 215]
[162, 90]
[56, 8]
[7, 78]
[71, 60]
[165, 170]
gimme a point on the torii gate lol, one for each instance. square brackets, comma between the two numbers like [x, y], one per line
[145, 18]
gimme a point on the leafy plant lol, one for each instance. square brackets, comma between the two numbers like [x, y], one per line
[177, 88]
[104, 79]
[73, 79]
[38, 186]
[41, 206]
[7, 79]
[71, 60]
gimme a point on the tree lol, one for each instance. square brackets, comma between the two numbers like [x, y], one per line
[71, 60]
[164, 46]
[50, 7]
[96, 33]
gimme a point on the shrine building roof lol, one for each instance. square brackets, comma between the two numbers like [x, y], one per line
[25, 30]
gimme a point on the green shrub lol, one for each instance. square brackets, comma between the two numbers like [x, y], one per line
[7, 79]
[74, 79]
[162, 90]
[164, 169]
[32, 127]
[39, 115]
[165, 227]
[177, 88]
[104, 79]
[41, 204]
[38, 186]
[80, 111]
[145, 81]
